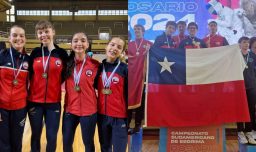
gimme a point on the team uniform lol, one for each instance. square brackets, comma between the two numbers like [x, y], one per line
[250, 86]
[192, 43]
[13, 89]
[165, 41]
[215, 40]
[81, 105]
[137, 52]
[112, 106]
[45, 94]
[179, 38]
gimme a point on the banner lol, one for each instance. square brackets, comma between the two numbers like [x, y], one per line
[195, 87]
[235, 18]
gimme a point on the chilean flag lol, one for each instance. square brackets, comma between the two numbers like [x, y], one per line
[195, 87]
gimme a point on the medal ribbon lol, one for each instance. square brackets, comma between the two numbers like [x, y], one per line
[107, 80]
[47, 60]
[137, 48]
[78, 75]
[14, 71]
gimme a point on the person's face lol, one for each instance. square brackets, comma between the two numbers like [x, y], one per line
[17, 38]
[79, 43]
[181, 28]
[192, 30]
[138, 32]
[114, 49]
[170, 29]
[253, 47]
[212, 28]
[244, 45]
[45, 36]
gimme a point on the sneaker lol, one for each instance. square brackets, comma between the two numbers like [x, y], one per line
[254, 134]
[241, 138]
[250, 138]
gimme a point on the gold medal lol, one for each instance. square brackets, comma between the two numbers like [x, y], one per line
[44, 75]
[77, 88]
[106, 91]
[15, 82]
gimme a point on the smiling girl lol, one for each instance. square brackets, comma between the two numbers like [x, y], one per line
[80, 100]
[112, 82]
[13, 91]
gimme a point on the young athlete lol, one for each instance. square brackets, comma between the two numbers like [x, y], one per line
[14, 64]
[111, 82]
[80, 99]
[48, 64]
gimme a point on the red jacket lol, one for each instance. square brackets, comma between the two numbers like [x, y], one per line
[114, 104]
[215, 41]
[82, 103]
[47, 90]
[13, 97]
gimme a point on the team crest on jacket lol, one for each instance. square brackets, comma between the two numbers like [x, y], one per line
[25, 65]
[88, 73]
[58, 62]
[115, 80]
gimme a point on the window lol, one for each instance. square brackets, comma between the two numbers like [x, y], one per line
[112, 12]
[33, 12]
[61, 13]
[85, 12]
[10, 14]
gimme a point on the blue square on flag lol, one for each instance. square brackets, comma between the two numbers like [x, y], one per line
[167, 66]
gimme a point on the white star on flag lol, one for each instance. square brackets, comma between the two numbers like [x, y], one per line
[166, 65]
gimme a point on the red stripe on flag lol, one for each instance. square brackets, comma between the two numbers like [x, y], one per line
[197, 105]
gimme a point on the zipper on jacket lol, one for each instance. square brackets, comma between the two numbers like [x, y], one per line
[46, 86]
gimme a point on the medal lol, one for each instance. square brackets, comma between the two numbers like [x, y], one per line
[106, 91]
[77, 88]
[77, 75]
[107, 80]
[138, 48]
[44, 75]
[15, 82]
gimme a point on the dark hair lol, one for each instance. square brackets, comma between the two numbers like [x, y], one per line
[173, 23]
[182, 23]
[193, 24]
[139, 25]
[212, 22]
[252, 40]
[243, 38]
[16, 26]
[44, 24]
[70, 61]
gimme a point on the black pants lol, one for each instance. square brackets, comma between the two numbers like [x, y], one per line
[88, 124]
[51, 114]
[12, 124]
[249, 126]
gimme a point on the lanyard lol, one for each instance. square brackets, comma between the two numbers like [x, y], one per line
[107, 80]
[45, 64]
[77, 75]
[14, 71]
